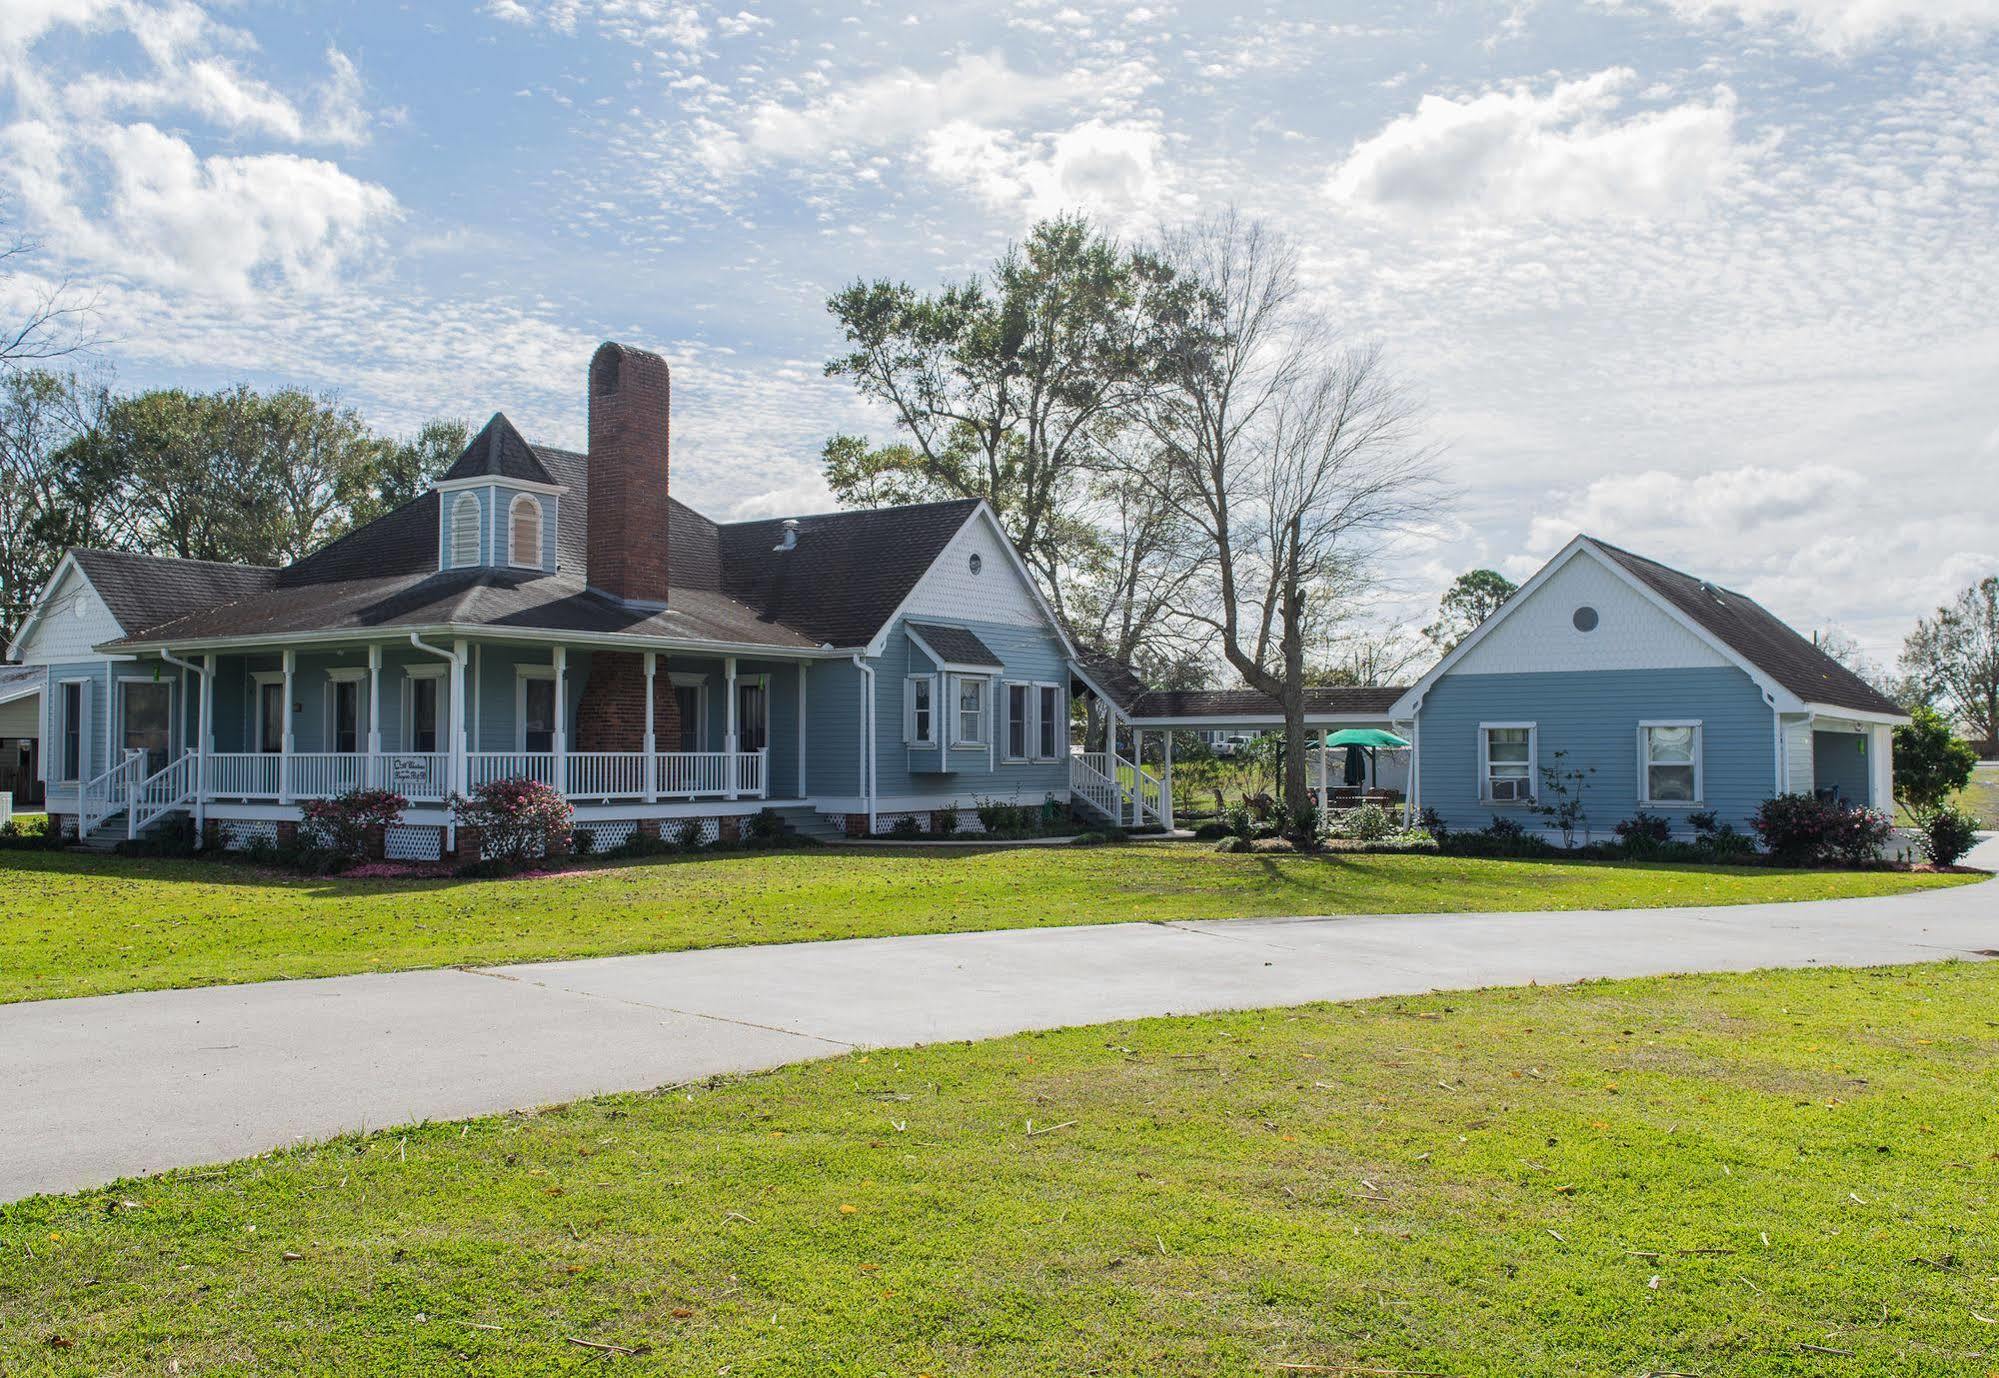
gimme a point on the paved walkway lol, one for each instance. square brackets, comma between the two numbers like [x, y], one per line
[116, 1085]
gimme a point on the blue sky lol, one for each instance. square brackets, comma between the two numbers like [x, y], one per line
[1716, 279]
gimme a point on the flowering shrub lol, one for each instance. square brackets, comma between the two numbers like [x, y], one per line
[1368, 823]
[519, 819]
[1805, 830]
[1946, 834]
[334, 832]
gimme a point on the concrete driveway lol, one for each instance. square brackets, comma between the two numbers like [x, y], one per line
[121, 1085]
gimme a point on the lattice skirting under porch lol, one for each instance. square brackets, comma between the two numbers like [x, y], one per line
[610, 835]
[413, 842]
[241, 834]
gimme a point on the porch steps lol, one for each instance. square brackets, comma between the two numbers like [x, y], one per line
[804, 821]
[104, 838]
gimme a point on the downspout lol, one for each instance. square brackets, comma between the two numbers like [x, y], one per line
[452, 781]
[200, 745]
[867, 736]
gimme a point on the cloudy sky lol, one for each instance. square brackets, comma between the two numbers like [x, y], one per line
[1716, 279]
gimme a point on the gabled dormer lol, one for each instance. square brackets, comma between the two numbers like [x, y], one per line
[497, 505]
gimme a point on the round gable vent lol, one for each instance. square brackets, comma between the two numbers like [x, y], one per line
[1584, 619]
[977, 563]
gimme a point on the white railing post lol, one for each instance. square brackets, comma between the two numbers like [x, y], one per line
[649, 743]
[206, 745]
[804, 666]
[1166, 785]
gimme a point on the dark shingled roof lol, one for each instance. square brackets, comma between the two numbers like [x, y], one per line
[143, 591]
[956, 645]
[1743, 625]
[498, 451]
[849, 572]
[488, 597]
[1134, 698]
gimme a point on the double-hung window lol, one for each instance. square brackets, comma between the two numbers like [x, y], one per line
[1048, 722]
[969, 709]
[74, 700]
[1669, 760]
[1507, 762]
[1019, 721]
[919, 710]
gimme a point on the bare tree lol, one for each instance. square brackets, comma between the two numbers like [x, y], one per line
[1296, 458]
[1952, 659]
[54, 325]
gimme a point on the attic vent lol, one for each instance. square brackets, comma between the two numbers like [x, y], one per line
[789, 540]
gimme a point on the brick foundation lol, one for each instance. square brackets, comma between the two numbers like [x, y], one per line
[649, 828]
[211, 835]
[729, 828]
[376, 843]
[471, 846]
[287, 834]
[59, 821]
[611, 714]
[857, 825]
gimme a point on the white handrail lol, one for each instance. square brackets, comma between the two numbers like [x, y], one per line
[160, 793]
[106, 794]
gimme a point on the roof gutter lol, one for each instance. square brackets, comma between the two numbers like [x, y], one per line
[481, 632]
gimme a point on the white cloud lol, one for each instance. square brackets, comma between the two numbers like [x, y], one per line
[138, 202]
[1842, 25]
[1516, 153]
[640, 22]
[1114, 170]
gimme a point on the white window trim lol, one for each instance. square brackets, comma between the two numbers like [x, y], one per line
[985, 684]
[411, 674]
[1645, 765]
[1027, 735]
[909, 737]
[513, 540]
[451, 530]
[83, 771]
[522, 674]
[1061, 720]
[346, 675]
[1485, 729]
[173, 708]
[253, 733]
[689, 679]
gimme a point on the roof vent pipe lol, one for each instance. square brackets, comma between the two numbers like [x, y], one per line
[789, 540]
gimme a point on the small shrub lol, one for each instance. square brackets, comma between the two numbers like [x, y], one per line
[1100, 837]
[1947, 833]
[26, 833]
[333, 833]
[520, 820]
[1368, 823]
[907, 826]
[1211, 830]
[1503, 829]
[1002, 819]
[1232, 843]
[583, 842]
[173, 836]
[946, 820]
[1240, 820]
[1645, 827]
[640, 845]
[1302, 824]
[1805, 830]
[687, 837]
[765, 828]
[1433, 823]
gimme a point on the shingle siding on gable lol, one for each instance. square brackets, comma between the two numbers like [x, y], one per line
[950, 592]
[1594, 717]
[62, 635]
[1632, 633]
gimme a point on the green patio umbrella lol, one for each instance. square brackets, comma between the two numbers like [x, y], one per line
[1354, 738]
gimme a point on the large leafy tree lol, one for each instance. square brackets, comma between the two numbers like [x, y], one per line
[1008, 386]
[1472, 597]
[49, 499]
[1931, 763]
[1952, 659]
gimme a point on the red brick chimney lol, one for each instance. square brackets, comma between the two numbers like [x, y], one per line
[629, 443]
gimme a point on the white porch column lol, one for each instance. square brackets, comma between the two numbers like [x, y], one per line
[460, 782]
[204, 743]
[285, 736]
[1881, 767]
[804, 666]
[374, 777]
[1166, 785]
[729, 732]
[559, 744]
[649, 743]
[1137, 770]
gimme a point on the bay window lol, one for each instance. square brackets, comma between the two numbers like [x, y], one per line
[1507, 759]
[1669, 760]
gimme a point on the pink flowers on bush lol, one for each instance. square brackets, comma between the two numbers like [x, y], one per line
[339, 827]
[1804, 830]
[519, 819]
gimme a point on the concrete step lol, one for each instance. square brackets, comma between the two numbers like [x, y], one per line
[808, 822]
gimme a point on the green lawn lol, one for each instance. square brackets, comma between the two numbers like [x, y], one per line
[1700, 1175]
[78, 925]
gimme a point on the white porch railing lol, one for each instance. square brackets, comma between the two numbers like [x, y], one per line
[243, 775]
[160, 793]
[424, 777]
[1118, 789]
[109, 792]
[484, 767]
